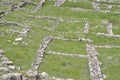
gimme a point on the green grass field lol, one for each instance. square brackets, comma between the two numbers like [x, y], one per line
[62, 66]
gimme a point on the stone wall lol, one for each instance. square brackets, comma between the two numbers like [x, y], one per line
[94, 64]
[72, 39]
[40, 54]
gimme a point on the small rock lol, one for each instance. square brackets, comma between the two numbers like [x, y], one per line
[44, 75]
[7, 62]
[15, 43]
[11, 67]
[18, 39]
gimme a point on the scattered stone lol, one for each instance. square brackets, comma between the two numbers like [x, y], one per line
[18, 39]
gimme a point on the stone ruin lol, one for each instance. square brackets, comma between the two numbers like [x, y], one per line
[32, 72]
[94, 64]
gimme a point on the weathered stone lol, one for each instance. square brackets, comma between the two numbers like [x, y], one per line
[109, 29]
[7, 62]
[3, 58]
[18, 39]
[44, 75]
[86, 28]
[40, 53]
[4, 77]
[11, 67]
[32, 73]
[94, 64]
[4, 69]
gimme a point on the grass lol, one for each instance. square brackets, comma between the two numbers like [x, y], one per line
[110, 63]
[61, 66]
[80, 4]
[65, 67]
[74, 27]
[67, 47]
